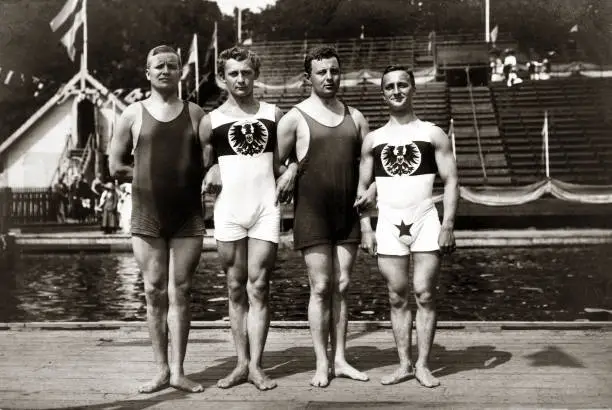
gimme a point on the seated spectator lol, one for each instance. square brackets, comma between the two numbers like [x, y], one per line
[510, 68]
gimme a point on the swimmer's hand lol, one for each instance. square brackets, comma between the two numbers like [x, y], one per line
[212, 181]
[366, 200]
[285, 184]
[446, 240]
[368, 242]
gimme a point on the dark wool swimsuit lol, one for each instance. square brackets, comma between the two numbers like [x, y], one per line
[168, 172]
[326, 185]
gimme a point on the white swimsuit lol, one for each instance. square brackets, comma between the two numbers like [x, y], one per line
[244, 147]
[405, 168]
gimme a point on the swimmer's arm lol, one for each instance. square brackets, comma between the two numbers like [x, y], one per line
[205, 135]
[366, 177]
[121, 145]
[447, 169]
[279, 167]
[286, 136]
[364, 129]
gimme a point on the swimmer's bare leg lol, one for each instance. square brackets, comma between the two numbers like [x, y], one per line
[318, 261]
[184, 256]
[343, 260]
[426, 268]
[233, 257]
[261, 259]
[395, 270]
[152, 258]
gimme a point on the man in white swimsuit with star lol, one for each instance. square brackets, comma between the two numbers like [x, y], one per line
[404, 156]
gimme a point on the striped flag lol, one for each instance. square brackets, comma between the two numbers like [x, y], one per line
[192, 57]
[68, 21]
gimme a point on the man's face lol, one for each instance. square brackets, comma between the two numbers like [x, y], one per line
[239, 77]
[164, 71]
[397, 90]
[325, 77]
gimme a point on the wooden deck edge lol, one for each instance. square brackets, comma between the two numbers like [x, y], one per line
[473, 326]
[491, 240]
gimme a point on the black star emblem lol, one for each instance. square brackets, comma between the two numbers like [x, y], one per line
[404, 229]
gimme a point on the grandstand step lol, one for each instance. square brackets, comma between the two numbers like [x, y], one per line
[485, 131]
[491, 180]
[458, 107]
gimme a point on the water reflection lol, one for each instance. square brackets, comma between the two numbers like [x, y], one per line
[476, 284]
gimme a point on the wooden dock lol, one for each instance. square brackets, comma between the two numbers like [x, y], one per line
[488, 366]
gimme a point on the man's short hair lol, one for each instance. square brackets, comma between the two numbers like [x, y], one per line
[161, 50]
[397, 67]
[319, 53]
[239, 54]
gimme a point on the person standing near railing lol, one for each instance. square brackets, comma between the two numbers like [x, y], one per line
[60, 198]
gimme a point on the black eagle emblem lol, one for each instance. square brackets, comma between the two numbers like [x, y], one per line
[248, 137]
[400, 159]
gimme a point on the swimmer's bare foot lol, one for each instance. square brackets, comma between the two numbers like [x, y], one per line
[183, 383]
[321, 377]
[238, 376]
[343, 369]
[260, 380]
[159, 382]
[425, 378]
[403, 373]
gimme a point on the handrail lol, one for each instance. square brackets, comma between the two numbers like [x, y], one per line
[476, 127]
[86, 155]
[63, 157]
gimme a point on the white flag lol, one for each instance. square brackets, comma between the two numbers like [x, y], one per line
[192, 56]
[494, 34]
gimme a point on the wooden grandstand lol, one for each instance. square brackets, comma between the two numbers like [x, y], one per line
[580, 144]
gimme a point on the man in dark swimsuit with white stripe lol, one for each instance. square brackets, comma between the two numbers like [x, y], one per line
[167, 218]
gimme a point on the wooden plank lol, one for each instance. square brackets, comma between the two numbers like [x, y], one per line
[477, 369]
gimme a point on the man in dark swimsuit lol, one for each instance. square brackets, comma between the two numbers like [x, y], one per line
[167, 220]
[326, 225]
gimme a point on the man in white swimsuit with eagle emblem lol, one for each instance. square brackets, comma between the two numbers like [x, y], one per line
[404, 156]
[242, 133]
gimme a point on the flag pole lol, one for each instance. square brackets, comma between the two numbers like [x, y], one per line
[239, 28]
[546, 157]
[487, 20]
[452, 135]
[197, 69]
[180, 84]
[215, 46]
[84, 55]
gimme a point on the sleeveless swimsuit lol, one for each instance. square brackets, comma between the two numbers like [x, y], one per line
[244, 147]
[168, 173]
[405, 168]
[326, 185]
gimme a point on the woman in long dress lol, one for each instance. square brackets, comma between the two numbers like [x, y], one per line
[108, 206]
